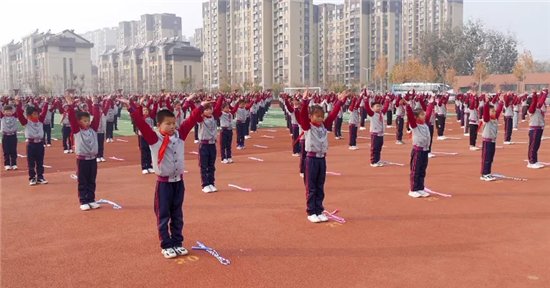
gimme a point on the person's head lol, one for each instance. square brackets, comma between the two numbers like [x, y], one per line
[242, 104]
[177, 105]
[207, 110]
[83, 119]
[419, 115]
[8, 110]
[166, 122]
[296, 102]
[376, 107]
[145, 111]
[316, 114]
[226, 108]
[32, 113]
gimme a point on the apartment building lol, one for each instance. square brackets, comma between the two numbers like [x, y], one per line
[46, 63]
[214, 43]
[103, 39]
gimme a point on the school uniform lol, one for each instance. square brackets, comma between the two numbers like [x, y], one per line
[473, 120]
[508, 118]
[254, 117]
[66, 131]
[226, 137]
[34, 133]
[295, 128]
[489, 135]
[537, 111]
[338, 123]
[441, 116]
[168, 162]
[48, 126]
[240, 116]
[86, 149]
[421, 138]
[208, 134]
[8, 127]
[101, 130]
[399, 120]
[111, 112]
[145, 151]
[377, 129]
[316, 147]
[354, 120]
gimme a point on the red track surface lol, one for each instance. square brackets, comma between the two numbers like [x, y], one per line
[486, 235]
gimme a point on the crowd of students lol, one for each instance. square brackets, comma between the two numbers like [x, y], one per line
[163, 122]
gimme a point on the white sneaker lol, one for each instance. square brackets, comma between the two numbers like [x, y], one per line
[487, 178]
[535, 165]
[169, 253]
[296, 155]
[302, 175]
[230, 160]
[144, 171]
[466, 134]
[32, 182]
[94, 205]
[7, 168]
[399, 142]
[71, 151]
[322, 217]
[103, 159]
[206, 189]
[85, 207]
[239, 147]
[98, 160]
[415, 194]
[409, 132]
[151, 170]
[247, 137]
[66, 151]
[379, 164]
[362, 128]
[515, 129]
[389, 126]
[441, 137]
[313, 218]
[14, 167]
[337, 138]
[213, 188]
[423, 193]
[431, 155]
[353, 148]
[474, 148]
[224, 161]
[42, 181]
[181, 251]
[49, 145]
[507, 143]
[196, 141]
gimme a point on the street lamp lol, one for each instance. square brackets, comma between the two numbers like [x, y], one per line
[303, 67]
[367, 83]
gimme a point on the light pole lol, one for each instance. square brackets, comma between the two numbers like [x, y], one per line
[367, 83]
[303, 68]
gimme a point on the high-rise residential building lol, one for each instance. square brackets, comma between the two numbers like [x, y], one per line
[169, 64]
[150, 27]
[197, 39]
[249, 45]
[46, 63]
[214, 43]
[385, 34]
[330, 43]
[424, 16]
[103, 39]
[293, 43]
[128, 32]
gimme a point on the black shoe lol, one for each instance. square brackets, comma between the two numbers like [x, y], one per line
[42, 181]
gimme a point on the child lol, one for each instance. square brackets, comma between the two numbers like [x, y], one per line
[48, 125]
[473, 120]
[111, 112]
[465, 122]
[86, 147]
[313, 123]
[208, 134]
[441, 116]
[167, 150]
[489, 134]
[338, 124]
[295, 127]
[508, 118]
[34, 133]
[101, 129]
[376, 130]
[354, 119]
[66, 130]
[146, 159]
[421, 146]
[399, 122]
[226, 137]
[241, 123]
[537, 109]
[8, 127]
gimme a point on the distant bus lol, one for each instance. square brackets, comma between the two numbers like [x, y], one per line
[429, 88]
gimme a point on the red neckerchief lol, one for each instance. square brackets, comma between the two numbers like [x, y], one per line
[33, 119]
[163, 146]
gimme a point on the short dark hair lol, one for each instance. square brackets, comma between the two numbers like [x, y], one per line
[207, 106]
[314, 109]
[30, 110]
[82, 114]
[417, 112]
[163, 114]
[225, 104]
[8, 108]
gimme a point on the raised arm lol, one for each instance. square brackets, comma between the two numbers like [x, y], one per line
[368, 108]
[44, 112]
[486, 115]
[190, 122]
[410, 117]
[499, 109]
[21, 114]
[429, 111]
[304, 116]
[534, 102]
[386, 106]
[218, 107]
[146, 131]
[97, 116]
[333, 114]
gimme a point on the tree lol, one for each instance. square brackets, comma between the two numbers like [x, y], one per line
[480, 73]
[450, 76]
[413, 71]
[524, 65]
[247, 86]
[542, 66]
[186, 84]
[225, 87]
[276, 88]
[380, 70]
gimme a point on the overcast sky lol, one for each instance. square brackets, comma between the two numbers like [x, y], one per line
[529, 20]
